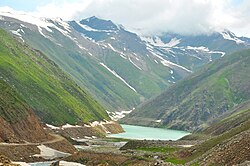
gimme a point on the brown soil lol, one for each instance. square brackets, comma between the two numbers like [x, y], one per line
[29, 129]
[232, 152]
[4, 161]
[25, 152]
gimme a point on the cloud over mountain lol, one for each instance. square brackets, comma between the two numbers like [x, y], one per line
[156, 16]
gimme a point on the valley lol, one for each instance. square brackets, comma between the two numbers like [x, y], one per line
[92, 92]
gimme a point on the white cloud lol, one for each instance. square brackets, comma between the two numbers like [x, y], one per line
[156, 16]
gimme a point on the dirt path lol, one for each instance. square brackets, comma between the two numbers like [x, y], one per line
[57, 138]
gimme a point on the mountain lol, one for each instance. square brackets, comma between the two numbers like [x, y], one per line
[193, 103]
[226, 140]
[44, 87]
[193, 52]
[17, 121]
[121, 69]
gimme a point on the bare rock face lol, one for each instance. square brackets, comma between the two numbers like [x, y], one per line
[28, 129]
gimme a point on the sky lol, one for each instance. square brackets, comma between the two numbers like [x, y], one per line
[149, 16]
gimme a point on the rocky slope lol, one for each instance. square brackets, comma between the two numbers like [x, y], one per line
[197, 100]
[226, 141]
[4, 161]
[230, 152]
[17, 121]
[119, 68]
[51, 94]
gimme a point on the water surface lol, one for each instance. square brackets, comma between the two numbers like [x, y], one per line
[149, 133]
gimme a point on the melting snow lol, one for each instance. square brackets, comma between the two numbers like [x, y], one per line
[134, 64]
[88, 28]
[170, 64]
[49, 153]
[70, 126]
[52, 127]
[116, 75]
[120, 53]
[173, 42]
[119, 114]
[205, 49]
[17, 34]
[156, 41]
[112, 47]
[101, 124]
[21, 163]
[232, 37]
[65, 163]
[218, 52]
[201, 48]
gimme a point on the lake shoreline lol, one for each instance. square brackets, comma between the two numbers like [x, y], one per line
[149, 133]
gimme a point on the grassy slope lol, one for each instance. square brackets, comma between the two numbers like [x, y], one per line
[40, 82]
[201, 97]
[87, 72]
[12, 107]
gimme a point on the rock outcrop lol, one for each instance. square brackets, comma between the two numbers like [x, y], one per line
[4, 161]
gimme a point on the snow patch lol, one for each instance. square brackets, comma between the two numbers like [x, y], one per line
[66, 163]
[119, 52]
[116, 75]
[134, 64]
[70, 126]
[186, 146]
[173, 42]
[205, 49]
[170, 64]
[119, 114]
[49, 153]
[52, 127]
[201, 48]
[16, 33]
[231, 36]
[156, 41]
[21, 163]
[217, 52]
[101, 124]
[88, 28]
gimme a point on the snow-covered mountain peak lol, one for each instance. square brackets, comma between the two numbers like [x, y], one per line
[228, 35]
[99, 24]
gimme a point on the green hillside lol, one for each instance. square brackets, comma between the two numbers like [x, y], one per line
[194, 102]
[12, 107]
[53, 96]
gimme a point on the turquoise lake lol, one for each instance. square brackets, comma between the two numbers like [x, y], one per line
[149, 133]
